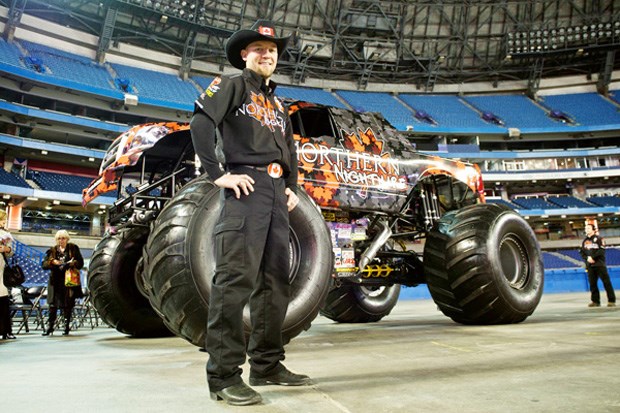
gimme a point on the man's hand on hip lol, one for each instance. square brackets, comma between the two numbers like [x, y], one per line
[293, 199]
[236, 182]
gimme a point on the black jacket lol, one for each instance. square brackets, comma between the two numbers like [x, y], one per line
[594, 247]
[57, 293]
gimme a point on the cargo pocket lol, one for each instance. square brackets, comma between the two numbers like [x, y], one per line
[230, 242]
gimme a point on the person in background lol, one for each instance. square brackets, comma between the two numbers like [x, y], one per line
[252, 234]
[593, 252]
[58, 259]
[6, 248]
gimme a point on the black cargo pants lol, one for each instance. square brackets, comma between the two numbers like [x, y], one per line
[594, 273]
[252, 265]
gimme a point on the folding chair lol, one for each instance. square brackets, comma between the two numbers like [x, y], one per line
[84, 311]
[19, 308]
[26, 303]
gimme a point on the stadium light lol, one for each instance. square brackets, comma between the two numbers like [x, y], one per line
[562, 39]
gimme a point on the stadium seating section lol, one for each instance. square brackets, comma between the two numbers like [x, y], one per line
[568, 202]
[515, 110]
[439, 112]
[586, 108]
[30, 260]
[446, 110]
[555, 260]
[160, 87]
[394, 111]
[612, 201]
[309, 95]
[557, 201]
[570, 258]
[50, 181]
[534, 203]
[10, 179]
[500, 201]
[10, 54]
[68, 66]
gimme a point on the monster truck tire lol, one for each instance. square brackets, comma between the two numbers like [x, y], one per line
[113, 280]
[483, 265]
[179, 262]
[360, 304]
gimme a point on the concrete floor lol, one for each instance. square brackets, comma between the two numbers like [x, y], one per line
[564, 358]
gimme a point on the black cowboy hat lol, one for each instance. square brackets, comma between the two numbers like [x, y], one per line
[261, 30]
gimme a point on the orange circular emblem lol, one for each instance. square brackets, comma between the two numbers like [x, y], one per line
[274, 170]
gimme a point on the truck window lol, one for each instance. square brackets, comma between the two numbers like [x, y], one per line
[312, 123]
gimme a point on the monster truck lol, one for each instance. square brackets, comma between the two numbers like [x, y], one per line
[367, 202]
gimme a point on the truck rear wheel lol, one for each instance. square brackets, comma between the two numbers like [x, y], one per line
[113, 279]
[179, 262]
[483, 265]
[352, 303]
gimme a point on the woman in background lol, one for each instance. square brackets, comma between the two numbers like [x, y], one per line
[58, 259]
[6, 248]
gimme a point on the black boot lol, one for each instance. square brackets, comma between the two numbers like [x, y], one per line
[67, 326]
[51, 321]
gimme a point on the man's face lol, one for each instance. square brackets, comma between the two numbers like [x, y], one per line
[261, 57]
[589, 230]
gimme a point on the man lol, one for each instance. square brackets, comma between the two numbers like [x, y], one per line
[252, 234]
[593, 251]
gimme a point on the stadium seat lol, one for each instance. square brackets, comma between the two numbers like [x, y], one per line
[447, 111]
[605, 201]
[534, 203]
[307, 94]
[63, 65]
[586, 108]
[51, 181]
[161, 87]
[516, 111]
[10, 179]
[394, 111]
[568, 202]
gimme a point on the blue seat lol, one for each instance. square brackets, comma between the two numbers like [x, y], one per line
[517, 111]
[605, 201]
[534, 203]
[447, 110]
[501, 202]
[586, 108]
[10, 179]
[308, 94]
[10, 54]
[395, 112]
[58, 182]
[162, 87]
[568, 202]
[63, 65]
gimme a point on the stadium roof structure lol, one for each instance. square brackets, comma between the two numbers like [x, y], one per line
[422, 43]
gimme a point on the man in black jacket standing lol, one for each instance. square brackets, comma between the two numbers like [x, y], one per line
[593, 252]
[258, 178]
